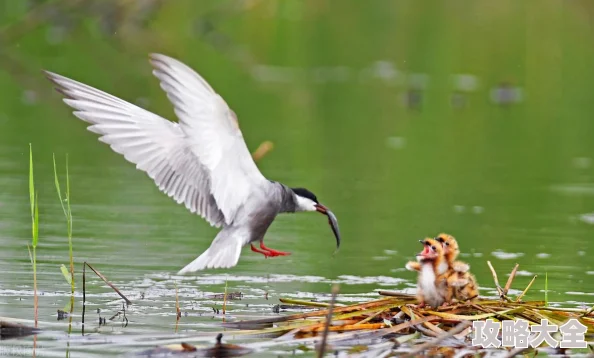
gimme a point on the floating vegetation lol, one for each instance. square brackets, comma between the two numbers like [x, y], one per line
[397, 318]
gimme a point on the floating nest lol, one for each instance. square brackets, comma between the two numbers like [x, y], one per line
[397, 318]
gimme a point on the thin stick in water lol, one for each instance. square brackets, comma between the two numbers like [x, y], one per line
[322, 347]
[128, 302]
[84, 298]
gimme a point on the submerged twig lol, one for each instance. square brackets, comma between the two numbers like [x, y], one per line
[328, 321]
[122, 313]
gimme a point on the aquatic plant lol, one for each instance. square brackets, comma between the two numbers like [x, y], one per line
[68, 275]
[34, 231]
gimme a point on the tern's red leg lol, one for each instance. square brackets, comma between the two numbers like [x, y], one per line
[272, 252]
[263, 252]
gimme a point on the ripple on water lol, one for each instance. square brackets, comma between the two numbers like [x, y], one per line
[278, 278]
[502, 255]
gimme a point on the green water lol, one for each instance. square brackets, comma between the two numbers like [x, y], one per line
[325, 82]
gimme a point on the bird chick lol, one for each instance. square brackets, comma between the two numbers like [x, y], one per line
[451, 250]
[431, 286]
[461, 284]
[443, 266]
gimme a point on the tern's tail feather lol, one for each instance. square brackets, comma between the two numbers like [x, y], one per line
[220, 254]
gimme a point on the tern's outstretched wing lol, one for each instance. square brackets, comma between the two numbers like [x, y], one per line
[212, 132]
[157, 146]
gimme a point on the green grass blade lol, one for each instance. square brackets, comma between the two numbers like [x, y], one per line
[31, 189]
[67, 181]
[57, 183]
[69, 215]
[36, 223]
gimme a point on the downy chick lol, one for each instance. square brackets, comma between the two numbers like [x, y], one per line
[431, 286]
[451, 250]
[461, 284]
[416, 265]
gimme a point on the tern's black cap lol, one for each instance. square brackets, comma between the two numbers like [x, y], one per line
[305, 193]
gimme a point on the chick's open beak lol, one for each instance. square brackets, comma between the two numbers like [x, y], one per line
[426, 253]
[331, 220]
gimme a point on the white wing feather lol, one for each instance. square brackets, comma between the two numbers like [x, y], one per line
[156, 145]
[213, 133]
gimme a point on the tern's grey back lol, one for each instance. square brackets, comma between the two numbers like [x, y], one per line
[264, 205]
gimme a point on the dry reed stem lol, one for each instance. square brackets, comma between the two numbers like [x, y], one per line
[459, 328]
[497, 285]
[328, 320]
[104, 279]
[510, 279]
[526, 289]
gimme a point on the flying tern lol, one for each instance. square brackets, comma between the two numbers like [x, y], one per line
[201, 161]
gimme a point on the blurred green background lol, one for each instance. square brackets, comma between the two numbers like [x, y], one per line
[407, 118]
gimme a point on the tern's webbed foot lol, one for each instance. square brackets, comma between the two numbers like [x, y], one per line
[273, 252]
[268, 252]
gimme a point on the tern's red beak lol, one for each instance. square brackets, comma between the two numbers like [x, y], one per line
[321, 208]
